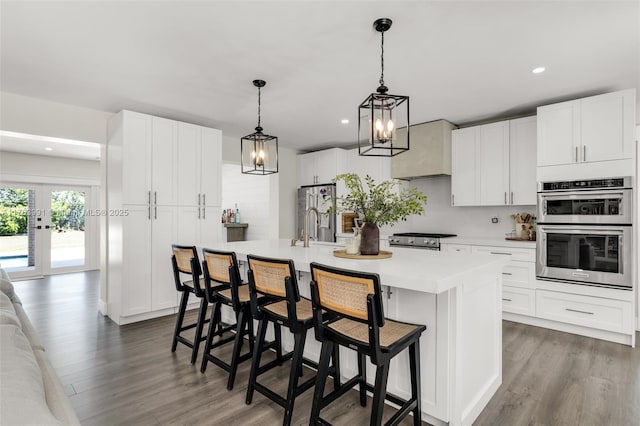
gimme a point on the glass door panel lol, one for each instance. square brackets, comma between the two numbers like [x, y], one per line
[19, 237]
[67, 229]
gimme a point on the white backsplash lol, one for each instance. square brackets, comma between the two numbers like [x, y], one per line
[252, 194]
[440, 216]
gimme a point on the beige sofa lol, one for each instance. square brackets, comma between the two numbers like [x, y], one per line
[30, 391]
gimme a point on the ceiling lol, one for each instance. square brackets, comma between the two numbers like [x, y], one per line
[48, 146]
[466, 62]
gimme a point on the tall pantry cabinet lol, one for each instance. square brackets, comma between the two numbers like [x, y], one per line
[146, 208]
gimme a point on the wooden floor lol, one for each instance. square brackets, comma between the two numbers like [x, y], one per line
[127, 375]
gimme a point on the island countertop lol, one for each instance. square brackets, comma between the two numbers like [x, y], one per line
[419, 270]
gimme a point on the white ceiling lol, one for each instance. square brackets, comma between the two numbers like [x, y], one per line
[48, 146]
[194, 61]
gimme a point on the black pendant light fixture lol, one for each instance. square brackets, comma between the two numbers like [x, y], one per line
[382, 114]
[259, 152]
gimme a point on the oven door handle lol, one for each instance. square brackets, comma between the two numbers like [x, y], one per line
[586, 195]
[581, 229]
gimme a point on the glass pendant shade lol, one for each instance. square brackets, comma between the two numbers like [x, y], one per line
[379, 118]
[259, 154]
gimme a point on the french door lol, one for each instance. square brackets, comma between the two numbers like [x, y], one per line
[47, 229]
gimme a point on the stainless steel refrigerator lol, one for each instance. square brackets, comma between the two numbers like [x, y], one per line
[322, 197]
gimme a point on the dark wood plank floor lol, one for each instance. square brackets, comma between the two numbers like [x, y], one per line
[127, 375]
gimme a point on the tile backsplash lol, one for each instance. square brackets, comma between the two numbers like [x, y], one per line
[440, 216]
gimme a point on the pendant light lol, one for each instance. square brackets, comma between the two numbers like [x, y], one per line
[259, 152]
[382, 114]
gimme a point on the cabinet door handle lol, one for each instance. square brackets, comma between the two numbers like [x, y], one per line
[149, 197]
[505, 197]
[580, 312]
[204, 213]
[576, 154]
[453, 199]
[507, 300]
[511, 197]
[204, 199]
[155, 212]
[507, 273]
[198, 199]
[499, 252]
[149, 211]
[584, 153]
[198, 212]
[155, 197]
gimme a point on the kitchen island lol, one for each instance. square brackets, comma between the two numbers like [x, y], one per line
[458, 298]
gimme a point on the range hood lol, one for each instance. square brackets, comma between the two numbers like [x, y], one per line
[429, 151]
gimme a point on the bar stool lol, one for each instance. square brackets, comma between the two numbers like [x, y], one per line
[275, 280]
[185, 261]
[347, 309]
[223, 286]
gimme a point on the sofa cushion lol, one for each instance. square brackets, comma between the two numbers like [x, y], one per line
[57, 399]
[8, 313]
[22, 396]
[28, 329]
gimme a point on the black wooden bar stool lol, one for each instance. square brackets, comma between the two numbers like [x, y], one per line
[185, 261]
[347, 309]
[275, 280]
[223, 286]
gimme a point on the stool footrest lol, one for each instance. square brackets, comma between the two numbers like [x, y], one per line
[184, 341]
[344, 388]
[274, 363]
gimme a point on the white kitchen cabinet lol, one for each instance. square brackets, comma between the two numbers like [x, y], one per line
[164, 223]
[320, 167]
[522, 161]
[465, 175]
[130, 257]
[144, 163]
[593, 129]
[494, 164]
[493, 167]
[587, 310]
[199, 159]
[146, 157]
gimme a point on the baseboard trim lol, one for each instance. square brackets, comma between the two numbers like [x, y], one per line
[102, 307]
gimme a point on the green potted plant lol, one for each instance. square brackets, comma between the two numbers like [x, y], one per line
[377, 204]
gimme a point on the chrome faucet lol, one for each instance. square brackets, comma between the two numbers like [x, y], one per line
[305, 234]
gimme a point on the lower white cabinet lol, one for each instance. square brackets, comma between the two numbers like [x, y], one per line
[518, 300]
[140, 276]
[595, 312]
[556, 305]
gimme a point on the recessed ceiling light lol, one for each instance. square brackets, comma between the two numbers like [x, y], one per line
[345, 121]
[48, 149]
[538, 70]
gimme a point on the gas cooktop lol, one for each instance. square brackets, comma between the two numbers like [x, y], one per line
[425, 240]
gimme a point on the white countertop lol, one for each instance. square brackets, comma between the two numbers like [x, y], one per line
[419, 270]
[488, 241]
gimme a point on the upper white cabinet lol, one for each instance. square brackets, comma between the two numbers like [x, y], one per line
[199, 159]
[522, 161]
[465, 176]
[146, 155]
[593, 129]
[494, 164]
[320, 167]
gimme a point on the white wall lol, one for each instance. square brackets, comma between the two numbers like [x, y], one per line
[13, 163]
[464, 221]
[33, 116]
[282, 186]
[252, 194]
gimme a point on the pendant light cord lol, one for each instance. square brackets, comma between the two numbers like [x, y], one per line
[382, 59]
[258, 106]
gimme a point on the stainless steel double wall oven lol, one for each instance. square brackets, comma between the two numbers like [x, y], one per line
[584, 232]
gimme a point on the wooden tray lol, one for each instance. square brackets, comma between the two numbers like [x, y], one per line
[382, 254]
